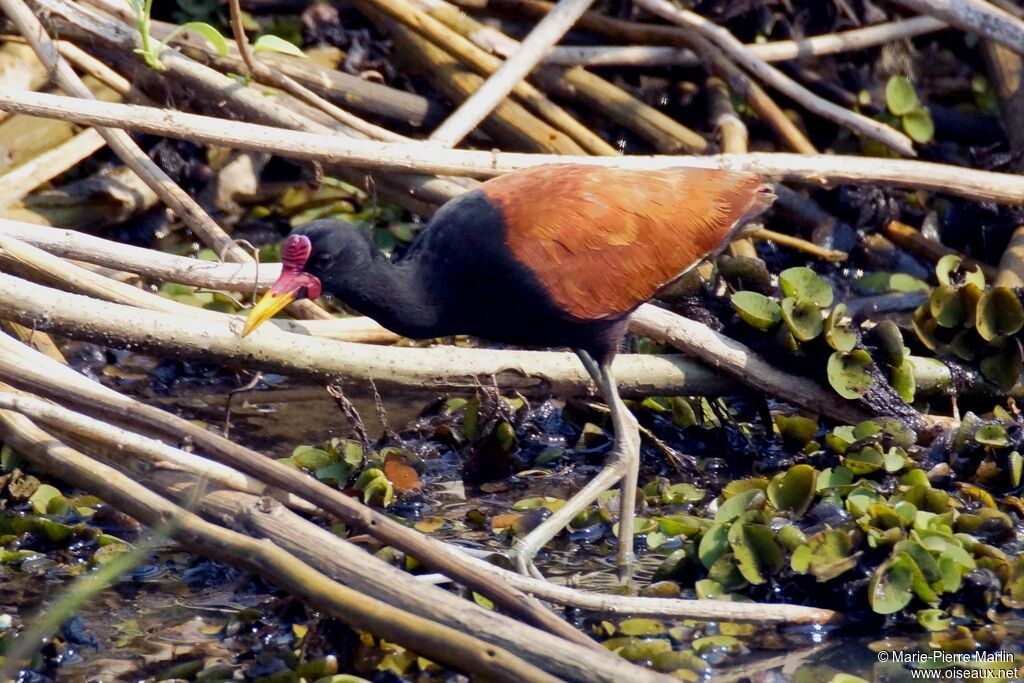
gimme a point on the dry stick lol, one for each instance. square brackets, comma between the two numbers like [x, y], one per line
[799, 244]
[430, 370]
[497, 87]
[776, 51]
[48, 165]
[425, 25]
[663, 132]
[270, 76]
[511, 122]
[439, 642]
[24, 257]
[976, 16]
[734, 137]
[716, 62]
[54, 380]
[911, 239]
[130, 153]
[736, 51]
[1002, 188]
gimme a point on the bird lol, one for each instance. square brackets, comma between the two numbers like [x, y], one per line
[556, 255]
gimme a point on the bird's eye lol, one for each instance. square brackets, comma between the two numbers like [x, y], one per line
[322, 262]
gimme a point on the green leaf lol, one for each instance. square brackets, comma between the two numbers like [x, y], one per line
[999, 313]
[826, 555]
[793, 490]
[272, 43]
[803, 318]
[803, 284]
[48, 500]
[757, 550]
[994, 436]
[752, 499]
[756, 309]
[934, 619]
[919, 126]
[713, 544]
[900, 96]
[848, 373]
[947, 306]
[210, 33]
[889, 590]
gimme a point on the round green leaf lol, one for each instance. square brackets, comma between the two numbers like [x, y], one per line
[839, 334]
[999, 313]
[919, 126]
[757, 550]
[848, 373]
[803, 284]
[890, 588]
[1004, 368]
[947, 306]
[994, 436]
[904, 382]
[929, 332]
[756, 309]
[900, 97]
[794, 489]
[803, 318]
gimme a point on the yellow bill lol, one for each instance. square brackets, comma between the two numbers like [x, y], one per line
[267, 307]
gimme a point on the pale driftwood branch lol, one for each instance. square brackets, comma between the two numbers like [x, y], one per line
[736, 51]
[497, 87]
[1003, 188]
[437, 641]
[435, 369]
[48, 165]
[976, 16]
[776, 51]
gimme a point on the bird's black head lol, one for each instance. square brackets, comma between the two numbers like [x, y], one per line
[312, 257]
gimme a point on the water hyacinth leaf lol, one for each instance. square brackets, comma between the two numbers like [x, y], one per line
[929, 332]
[888, 340]
[310, 458]
[999, 313]
[757, 550]
[803, 318]
[834, 478]
[752, 499]
[882, 283]
[904, 382]
[826, 555]
[900, 97]
[889, 590]
[681, 493]
[934, 619]
[838, 332]
[793, 490]
[713, 545]
[947, 306]
[947, 268]
[679, 525]
[726, 573]
[756, 309]
[785, 339]
[848, 373]
[719, 642]
[993, 436]
[803, 284]
[1004, 368]
[48, 500]
[796, 430]
[918, 124]
[641, 627]
[682, 663]
[895, 459]
[967, 344]
[672, 566]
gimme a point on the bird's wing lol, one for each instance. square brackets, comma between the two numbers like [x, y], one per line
[602, 241]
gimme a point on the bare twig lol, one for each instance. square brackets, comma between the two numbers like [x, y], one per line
[723, 39]
[777, 51]
[971, 183]
[976, 16]
[545, 34]
[911, 239]
[48, 165]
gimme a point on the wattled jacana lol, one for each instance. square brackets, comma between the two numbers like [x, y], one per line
[555, 255]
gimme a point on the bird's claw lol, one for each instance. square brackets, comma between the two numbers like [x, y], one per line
[522, 558]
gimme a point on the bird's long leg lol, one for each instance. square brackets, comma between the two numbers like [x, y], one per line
[622, 464]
